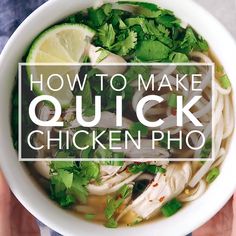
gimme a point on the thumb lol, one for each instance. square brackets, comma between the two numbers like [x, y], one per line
[234, 217]
[5, 199]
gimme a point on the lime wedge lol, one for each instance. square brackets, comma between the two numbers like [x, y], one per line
[65, 43]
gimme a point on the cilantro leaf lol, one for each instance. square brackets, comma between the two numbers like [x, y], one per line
[160, 32]
[111, 206]
[180, 57]
[86, 95]
[168, 20]
[206, 150]
[69, 181]
[164, 142]
[134, 71]
[103, 153]
[138, 126]
[106, 35]
[98, 16]
[201, 45]
[84, 139]
[122, 48]
[66, 177]
[189, 40]
[192, 41]
[150, 28]
[113, 203]
[57, 165]
[79, 189]
[89, 111]
[111, 223]
[137, 21]
[90, 169]
[124, 191]
[64, 154]
[152, 51]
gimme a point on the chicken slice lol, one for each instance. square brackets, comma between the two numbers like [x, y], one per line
[113, 184]
[164, 188]
[43, 168]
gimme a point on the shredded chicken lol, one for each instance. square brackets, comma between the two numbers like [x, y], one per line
[164, 188]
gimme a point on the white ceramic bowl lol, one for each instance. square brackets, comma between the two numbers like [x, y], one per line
[186, 220]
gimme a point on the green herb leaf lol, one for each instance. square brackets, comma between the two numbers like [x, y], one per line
[134, 71]
[123, 47]
[79, 189]
[86, 95]
[106, 34]
[201, 45]
[66, 177]
[138, 126]
[164, 142]
[90, 169]
[152, 51]
[153, 169]
[144, 167]
[89, 111]
[189, 41]
[98, 16]
[124, 191]
[102, 153]
[168, 20]
[206, 150]
[111, 206]
[149, 27]
[111, 223]
[178, 57]
[69, 181]
[113, 203]
[84, 140]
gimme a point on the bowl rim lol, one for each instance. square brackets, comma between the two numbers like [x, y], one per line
[32, 196]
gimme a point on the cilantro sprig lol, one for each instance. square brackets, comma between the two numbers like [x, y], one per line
[149, 33]
[113, 203]
[69, 180]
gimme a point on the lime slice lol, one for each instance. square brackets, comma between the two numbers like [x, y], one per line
[65, 43]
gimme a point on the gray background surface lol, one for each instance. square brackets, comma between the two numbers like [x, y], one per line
[224, 11]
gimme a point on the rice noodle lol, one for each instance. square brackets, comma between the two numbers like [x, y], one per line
[113, 177]
[196, 193]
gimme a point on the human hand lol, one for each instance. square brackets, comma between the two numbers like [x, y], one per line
[15, 220]
[222, 224]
